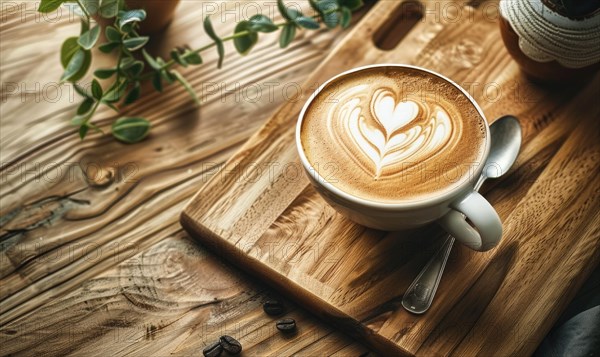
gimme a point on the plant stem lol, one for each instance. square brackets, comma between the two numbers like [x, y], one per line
[201, 49]
[204, 48]
[224, 39]
[119, 64]
[85, 12]
[91, 113]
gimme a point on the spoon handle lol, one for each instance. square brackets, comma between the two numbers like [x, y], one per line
[420, 293]
[419, 296]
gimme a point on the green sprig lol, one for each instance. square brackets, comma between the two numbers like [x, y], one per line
[128, 73]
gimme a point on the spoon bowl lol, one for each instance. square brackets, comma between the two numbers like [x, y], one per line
[506, 137]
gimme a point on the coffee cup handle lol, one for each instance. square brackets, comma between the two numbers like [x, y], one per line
[487, 227]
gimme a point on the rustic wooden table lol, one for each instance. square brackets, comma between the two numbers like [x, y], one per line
[93, 258]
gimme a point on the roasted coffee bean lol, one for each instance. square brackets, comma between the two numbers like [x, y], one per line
[230, 344]
[286, 325]
[213, 350]
[273, 307]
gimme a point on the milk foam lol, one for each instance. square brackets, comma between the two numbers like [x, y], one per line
[393, 134]
[394, 131]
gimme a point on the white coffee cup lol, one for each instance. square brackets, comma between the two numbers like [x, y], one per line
[450, 209]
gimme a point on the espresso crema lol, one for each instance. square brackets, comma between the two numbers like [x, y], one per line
[393, 134]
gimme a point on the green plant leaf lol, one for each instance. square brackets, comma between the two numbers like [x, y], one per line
[331, 19]
[109, 8]
[108, 47]
[130, 17]
[95, 127]
[193, 58]
[135, 43]
[85, 106]
[327, 5]
[307, 22]
[111, 106]
[126, 62]
[81, 91]
[112, 34]
[261, 23]
[85, 26]
[136, 68]
[187, 86]
[50, 5]
[130, 130]
[91, 6]
[327, 10]
[287, 35]
[130, 65]
[115, 92]
[245, 43]
[68, 49]
[176, 56]
[346, 17]
[83, 131]
[283, 10]
[77, 66]
[157, 81]
[87, 61]
[289, 14]
[133, 94]
[104, 73]
[208, 28]
[96, 90]
[151, 61]
[352, 5]
[79, 119]
[89, 39]
[315, 7]
[294, 14]
[168, 76]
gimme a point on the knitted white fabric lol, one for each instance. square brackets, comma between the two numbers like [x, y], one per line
[545, 35]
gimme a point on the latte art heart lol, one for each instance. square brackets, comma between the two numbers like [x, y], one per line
[392, 134]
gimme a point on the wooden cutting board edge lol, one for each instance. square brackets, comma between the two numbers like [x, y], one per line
[313, 303]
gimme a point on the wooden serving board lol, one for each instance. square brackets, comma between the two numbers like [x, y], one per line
[260, 212]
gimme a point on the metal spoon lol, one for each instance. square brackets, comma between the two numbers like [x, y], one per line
[505, 144]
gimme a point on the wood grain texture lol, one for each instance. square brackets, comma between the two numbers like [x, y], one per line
[171, 299]
[93, 260]
[502, 302]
